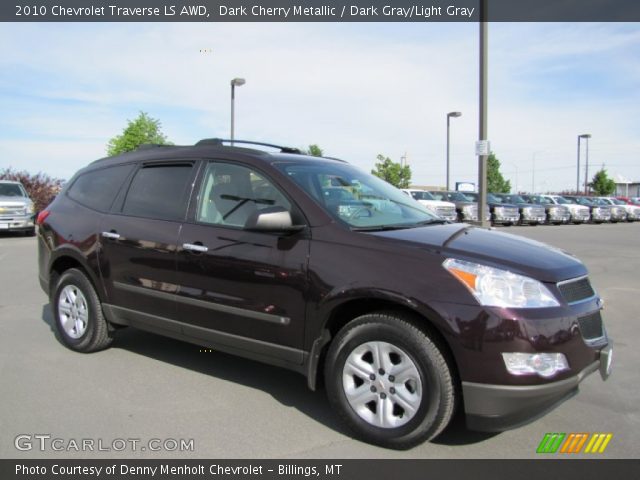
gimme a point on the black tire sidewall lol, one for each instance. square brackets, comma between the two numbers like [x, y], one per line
[424, 421]
[79, 280]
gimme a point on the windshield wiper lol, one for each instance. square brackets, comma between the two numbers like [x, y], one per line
[380, 228]
[399, 226]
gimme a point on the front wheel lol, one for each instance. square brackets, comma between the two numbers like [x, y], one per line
[78, 315]
[389, 381]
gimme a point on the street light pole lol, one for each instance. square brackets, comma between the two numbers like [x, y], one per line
[236, 82]
[449, 115]
[482, 120]
[586, 136]
[586, 166]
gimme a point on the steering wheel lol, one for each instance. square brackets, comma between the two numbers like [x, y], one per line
[360, 212]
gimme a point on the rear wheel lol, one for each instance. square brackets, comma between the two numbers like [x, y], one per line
[389, 381]
[78, 314]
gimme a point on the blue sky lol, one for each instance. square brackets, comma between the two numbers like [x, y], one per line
[355, 89]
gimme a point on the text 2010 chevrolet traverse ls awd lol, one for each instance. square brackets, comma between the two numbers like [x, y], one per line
[313, 265]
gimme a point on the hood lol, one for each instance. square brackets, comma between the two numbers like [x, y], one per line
[573, 206]
[436, 203]
[528, 205]
[14, 201]
[490, 247]
[508, 205]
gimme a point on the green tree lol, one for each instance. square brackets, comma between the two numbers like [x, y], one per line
[495, 181]
[314, 150]
[601, 184]
[393, 172]
[143, 129]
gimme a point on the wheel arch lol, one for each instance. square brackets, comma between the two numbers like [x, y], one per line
[65, 259]
[341, 314]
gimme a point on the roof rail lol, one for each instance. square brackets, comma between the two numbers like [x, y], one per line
[221, 141]
[149, 146]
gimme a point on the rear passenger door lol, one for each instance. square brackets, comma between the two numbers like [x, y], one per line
[138, 244]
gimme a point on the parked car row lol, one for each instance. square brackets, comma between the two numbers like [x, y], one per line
[512, 209]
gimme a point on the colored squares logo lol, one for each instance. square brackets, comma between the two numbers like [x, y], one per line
[574, 443]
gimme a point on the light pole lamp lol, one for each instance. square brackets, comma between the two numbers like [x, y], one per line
[449, 115]
[586, 136]
[236, 82]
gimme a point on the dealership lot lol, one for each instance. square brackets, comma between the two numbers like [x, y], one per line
[148, 387]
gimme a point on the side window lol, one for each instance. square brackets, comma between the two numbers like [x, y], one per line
[231, 193]
[160, 192]
[98, 189]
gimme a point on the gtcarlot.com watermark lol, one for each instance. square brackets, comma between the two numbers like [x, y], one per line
[45, 442]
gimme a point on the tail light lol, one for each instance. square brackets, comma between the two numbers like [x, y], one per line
[42, 216]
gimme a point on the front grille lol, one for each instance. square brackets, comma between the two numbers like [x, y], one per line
[510, 212]
[576, 290]
[446, 212]
[583, 213]
[591, 326]
[4, 211]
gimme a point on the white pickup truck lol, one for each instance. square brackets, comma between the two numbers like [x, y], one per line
[445, 210]
[16, 208]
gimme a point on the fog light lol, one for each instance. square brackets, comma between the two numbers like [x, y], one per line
[543, 364]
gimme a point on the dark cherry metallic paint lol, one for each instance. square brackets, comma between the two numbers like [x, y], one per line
[315, 280]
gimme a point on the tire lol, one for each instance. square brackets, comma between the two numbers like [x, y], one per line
[77, 313]
[414, 411]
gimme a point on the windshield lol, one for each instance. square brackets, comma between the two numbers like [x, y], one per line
[457, 197]
[471, 196]
[491, 198]
[584, 201]
[562, 201]
[421, 195]
[514, 199]
[357, 198]
[618, 202]
[442, 196]
[11, 190]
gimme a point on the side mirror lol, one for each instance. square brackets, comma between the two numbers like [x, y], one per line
[272, 219]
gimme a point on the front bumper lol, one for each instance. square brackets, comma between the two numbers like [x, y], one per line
[503, 219]
[559, 216]
[493, 408]
[600, 216]
[16, 223]
[580, 216]
[619, 217]
[533, 217]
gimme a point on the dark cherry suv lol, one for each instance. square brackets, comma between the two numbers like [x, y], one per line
[311, 264]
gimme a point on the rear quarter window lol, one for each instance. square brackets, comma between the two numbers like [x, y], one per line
[98, 189]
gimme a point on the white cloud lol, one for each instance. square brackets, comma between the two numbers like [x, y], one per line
[355, 90]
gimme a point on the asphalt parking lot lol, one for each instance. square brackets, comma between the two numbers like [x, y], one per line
[148, 387]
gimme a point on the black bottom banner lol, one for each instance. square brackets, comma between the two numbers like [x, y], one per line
[543, 469]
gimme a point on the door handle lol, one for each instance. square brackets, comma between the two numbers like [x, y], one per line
[111, 235]
[194, 247]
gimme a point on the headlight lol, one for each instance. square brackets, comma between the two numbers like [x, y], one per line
[493, 287]
[30, 209]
